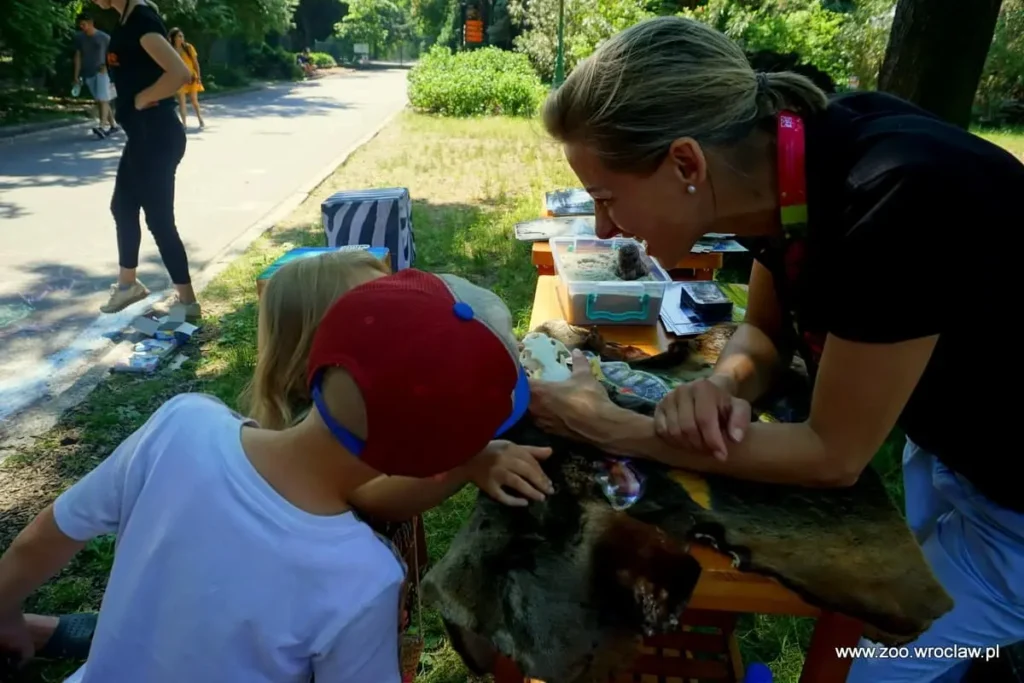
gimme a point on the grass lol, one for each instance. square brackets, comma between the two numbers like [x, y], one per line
[1011, 139]
[31, 106]
[472, 180]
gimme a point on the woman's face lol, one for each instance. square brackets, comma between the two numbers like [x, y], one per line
[179, 39]
[655, 207]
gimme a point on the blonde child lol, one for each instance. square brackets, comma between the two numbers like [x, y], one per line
[237, 556]
[291, 307]
[290, 310]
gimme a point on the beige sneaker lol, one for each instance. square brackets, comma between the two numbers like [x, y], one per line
[173, 307]
[123, 298]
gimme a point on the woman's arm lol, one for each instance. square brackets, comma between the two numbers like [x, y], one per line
[176, 72]
[748, 364]
[860, 391]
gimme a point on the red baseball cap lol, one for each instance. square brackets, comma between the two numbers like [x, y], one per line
[437, 366]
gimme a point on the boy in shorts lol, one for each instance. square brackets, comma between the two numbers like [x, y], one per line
[91, 68]
[238, 557]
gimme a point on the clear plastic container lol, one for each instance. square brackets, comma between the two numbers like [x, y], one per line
[594, 295]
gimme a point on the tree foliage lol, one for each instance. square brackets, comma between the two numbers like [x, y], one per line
[36, 34]
[1002, 82]
[379, 23]
[430, 17]
[315, 20]
[805, 27]
[587, 23]
[33, 33]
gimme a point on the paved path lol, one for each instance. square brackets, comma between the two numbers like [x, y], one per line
[58, 253]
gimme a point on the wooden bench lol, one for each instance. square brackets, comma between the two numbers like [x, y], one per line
[722, 593]
[691, 267]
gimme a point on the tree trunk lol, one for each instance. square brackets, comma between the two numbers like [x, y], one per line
[936, 53]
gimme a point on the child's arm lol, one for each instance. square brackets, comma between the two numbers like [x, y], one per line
[397, 499]
[40, 551]
[92, 507]
[499, 466]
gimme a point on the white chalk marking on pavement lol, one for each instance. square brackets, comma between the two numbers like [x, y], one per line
[36, 381]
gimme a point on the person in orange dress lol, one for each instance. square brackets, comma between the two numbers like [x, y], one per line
[193, 88]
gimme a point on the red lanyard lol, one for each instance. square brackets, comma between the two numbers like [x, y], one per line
[792, 177]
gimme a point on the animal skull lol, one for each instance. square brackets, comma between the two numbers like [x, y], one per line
[545, 358]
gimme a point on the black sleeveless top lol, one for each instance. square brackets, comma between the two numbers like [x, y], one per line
[909, 226]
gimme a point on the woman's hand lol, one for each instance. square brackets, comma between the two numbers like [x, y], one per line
[141, 102]
[696, 414]
[504, 464]
[559, 407]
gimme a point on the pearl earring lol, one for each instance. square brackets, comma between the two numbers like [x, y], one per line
[692, 189]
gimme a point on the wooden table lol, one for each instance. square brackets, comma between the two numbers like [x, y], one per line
[721, 588]
[703, 266]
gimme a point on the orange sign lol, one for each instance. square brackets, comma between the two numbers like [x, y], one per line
[474, 31]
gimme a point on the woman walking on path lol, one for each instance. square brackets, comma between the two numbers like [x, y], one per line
[148, 73]
[188, 54]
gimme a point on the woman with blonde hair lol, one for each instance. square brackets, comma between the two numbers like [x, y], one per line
[844, 202]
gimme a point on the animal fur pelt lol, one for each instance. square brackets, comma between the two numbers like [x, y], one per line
[564, 587]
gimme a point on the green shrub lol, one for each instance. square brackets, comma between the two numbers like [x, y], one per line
[486, 81]
[219, 76]
[272, 63]
[322, 60]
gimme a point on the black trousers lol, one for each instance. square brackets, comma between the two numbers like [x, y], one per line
[145, 181]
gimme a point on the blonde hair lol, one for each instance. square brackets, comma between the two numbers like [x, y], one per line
[663, 79]
[294, 301]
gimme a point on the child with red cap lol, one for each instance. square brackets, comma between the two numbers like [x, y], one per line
[238, 558]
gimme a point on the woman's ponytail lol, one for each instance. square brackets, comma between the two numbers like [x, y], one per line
[785, 90]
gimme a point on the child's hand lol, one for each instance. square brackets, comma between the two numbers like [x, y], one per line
[15, 640]
[503, 464]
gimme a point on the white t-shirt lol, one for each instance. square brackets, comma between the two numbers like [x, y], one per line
[216, 577]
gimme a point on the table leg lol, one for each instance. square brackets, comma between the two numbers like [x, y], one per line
[831, 631]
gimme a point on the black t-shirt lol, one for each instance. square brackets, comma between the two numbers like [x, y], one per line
[910, 222]
[131, 67]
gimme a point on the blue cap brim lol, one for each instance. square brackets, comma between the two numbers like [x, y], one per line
[350, 441]
[520, 402]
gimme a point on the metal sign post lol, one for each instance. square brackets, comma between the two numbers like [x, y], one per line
[560, 54]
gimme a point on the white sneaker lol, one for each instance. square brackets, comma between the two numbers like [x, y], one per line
[123, 298]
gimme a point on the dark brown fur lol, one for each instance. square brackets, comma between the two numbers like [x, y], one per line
[566, 586]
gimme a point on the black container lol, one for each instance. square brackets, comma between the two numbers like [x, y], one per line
[707, 300]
